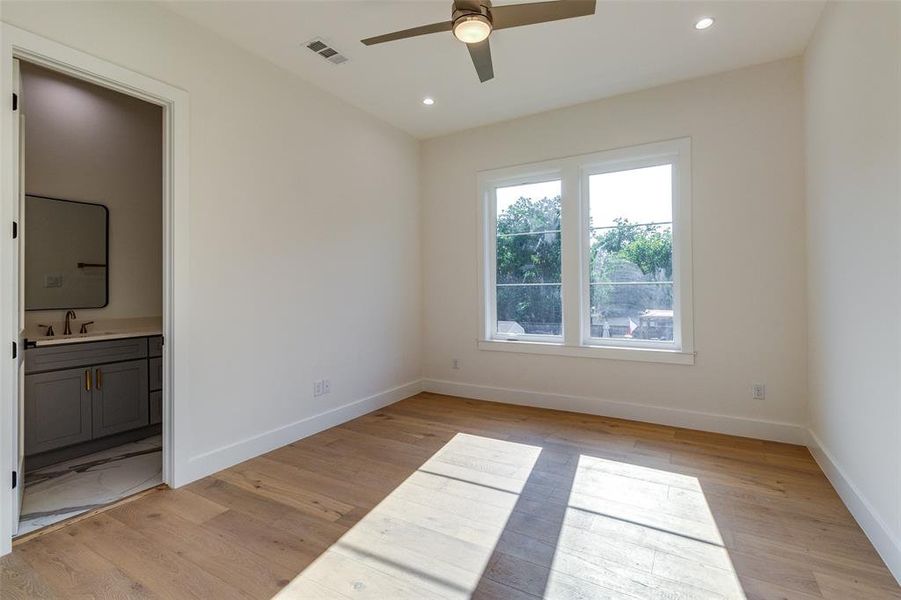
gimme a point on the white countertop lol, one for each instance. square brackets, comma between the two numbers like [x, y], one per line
[112, 329]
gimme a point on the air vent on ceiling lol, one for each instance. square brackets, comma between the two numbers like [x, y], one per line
[318, 46]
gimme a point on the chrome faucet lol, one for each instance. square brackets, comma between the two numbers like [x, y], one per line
[68, 328]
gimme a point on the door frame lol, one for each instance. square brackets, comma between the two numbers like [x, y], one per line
[23, 45]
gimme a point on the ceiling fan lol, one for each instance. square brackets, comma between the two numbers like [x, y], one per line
[472, 21]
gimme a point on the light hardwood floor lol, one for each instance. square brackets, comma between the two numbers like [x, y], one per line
[440, 497]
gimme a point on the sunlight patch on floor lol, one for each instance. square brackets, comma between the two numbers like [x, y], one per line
[482, 514]
[639, 531]
[433, 535]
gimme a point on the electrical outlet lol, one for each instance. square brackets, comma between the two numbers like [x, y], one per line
[758, 391]
[321, 387]
[456, 363]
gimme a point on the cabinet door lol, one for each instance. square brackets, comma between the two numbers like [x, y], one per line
[57, 409]
[120, 397]
[155, 346]
[156, 407]
[155, 375]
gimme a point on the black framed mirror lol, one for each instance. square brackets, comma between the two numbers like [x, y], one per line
[66, 254]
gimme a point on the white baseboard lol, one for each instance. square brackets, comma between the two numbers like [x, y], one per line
[887, 545]
[221, 458]
[766, 430]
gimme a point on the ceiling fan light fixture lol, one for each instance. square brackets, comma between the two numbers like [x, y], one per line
[472, 29]
[472, 21]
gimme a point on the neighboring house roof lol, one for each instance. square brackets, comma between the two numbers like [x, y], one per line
[509, 327]
[658, 314]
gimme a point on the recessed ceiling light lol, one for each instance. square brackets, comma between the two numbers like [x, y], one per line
[704, 23]
[428, 101]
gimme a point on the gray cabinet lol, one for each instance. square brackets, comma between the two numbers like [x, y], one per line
[155, 378]
[57, 409]
[156, 407]
[80, 392]
[64, 356]
[155, 373]
[120, 400]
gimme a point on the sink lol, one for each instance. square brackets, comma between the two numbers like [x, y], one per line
[88, 334]
[128, 328]
[75, 337]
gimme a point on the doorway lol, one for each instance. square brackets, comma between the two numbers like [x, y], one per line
[90, 260]
[162, 343]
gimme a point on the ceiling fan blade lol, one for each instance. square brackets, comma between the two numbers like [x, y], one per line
[481, 58]
[408, 33]
[517, 15]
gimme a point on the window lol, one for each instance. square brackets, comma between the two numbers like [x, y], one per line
[590, 255]
[527, 255]
[630, 255]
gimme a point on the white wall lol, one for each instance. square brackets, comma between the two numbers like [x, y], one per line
[304, 232]
[853, 116]
[87, 143]
[749, 281]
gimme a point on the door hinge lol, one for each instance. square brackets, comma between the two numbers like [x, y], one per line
[15, 479]
[15, 230]
[15, 350]
[15, 101]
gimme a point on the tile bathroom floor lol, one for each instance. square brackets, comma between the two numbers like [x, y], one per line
[66, 489]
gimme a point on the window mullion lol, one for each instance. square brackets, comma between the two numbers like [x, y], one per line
[489, 294]
[571, 244]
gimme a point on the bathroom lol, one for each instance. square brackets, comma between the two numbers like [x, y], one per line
[91, 297]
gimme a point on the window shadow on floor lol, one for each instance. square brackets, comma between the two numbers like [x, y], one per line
[486, 517]
[586, 526]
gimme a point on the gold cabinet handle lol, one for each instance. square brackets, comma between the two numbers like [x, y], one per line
[87, 380]
[99, 379]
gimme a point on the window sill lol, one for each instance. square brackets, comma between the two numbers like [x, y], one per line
[656, 355]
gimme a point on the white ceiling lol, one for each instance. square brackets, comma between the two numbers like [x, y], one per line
[625, 46]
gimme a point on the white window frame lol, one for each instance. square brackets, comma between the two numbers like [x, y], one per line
[573, 173]
[513, 177]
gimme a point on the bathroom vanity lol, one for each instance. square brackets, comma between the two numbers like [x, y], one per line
[91, 384]
[85, 393]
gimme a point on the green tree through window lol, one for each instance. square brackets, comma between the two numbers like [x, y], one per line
[528, 265]
[631, 272]
[631, 268]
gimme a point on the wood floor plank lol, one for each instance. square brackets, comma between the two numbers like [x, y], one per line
[239, 568]
[843, 588]
[315, 533]
[19, 581]
[73, 570]
[443, 497]
[158, 569]
[255, 476]
[791, 552]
